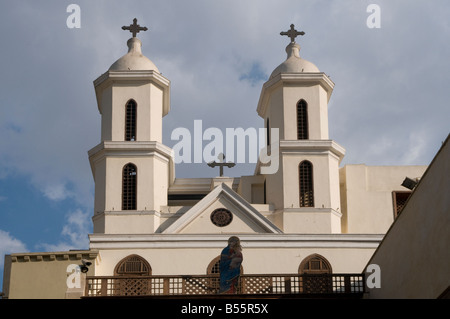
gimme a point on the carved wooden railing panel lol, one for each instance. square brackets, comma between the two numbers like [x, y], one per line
[209, 285]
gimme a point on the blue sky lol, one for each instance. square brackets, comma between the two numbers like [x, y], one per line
[389, 106]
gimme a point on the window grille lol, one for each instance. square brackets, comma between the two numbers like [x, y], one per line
[221, 217]
[302, 120]
[315, 264]
[213, 267]
[306, 184]
[133, 265]
[129, 180]
[399, 199]
[130, 121]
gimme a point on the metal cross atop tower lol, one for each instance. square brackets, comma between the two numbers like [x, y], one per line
[292, 33]
[221, 163]
[134, 28]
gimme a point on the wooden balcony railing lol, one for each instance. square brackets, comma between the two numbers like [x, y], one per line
[209, 285]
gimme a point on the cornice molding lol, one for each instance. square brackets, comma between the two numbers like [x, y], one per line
[267, 240]
[303, 146]
[127, 149]
[110, 77]
[54, 256]
[136, 75]
[284, 79]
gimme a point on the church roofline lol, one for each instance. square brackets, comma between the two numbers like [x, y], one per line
[196, 185]
[219, 190]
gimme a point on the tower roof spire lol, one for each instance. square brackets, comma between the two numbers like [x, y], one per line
[294, 63]
[134, 59]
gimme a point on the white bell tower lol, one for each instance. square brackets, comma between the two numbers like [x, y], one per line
[132, 169]
[305, 189]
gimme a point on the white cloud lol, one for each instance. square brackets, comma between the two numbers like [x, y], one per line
[77, 228]
[74, 232]
[9, 244]
[56, 192]
[416, 146]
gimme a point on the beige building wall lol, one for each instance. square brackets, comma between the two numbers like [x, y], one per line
[366, 195]
[42, 275]
[414, 256]
[276, 260]
[256, 261]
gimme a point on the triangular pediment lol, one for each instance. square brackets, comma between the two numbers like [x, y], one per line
[244, 217]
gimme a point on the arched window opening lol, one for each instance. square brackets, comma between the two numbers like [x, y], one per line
[268, 132]
[133, 265]
[302, 120]
[130, 121]
[315, 273]
[305, 170]
[126, 283]
[315, 264]
[129, 181]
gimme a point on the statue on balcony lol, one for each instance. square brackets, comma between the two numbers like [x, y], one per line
[230, 266]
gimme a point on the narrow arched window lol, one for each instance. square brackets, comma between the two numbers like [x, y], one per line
[129, 181]
[302, 120]
[305, 172]
[268, 132]
[130, 121]
[265, 192]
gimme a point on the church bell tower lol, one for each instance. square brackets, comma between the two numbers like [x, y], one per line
[305, 189]
[131, 167]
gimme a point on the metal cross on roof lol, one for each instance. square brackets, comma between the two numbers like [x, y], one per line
[221, 163]
[292, 33]
[134, 28]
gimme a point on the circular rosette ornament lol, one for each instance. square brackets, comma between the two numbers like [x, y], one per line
[221, 217]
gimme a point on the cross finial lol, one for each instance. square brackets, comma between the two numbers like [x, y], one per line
[134, 28]
[292, 33]
[221, 163]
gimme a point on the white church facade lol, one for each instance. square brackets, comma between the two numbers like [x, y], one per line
[310, 216]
